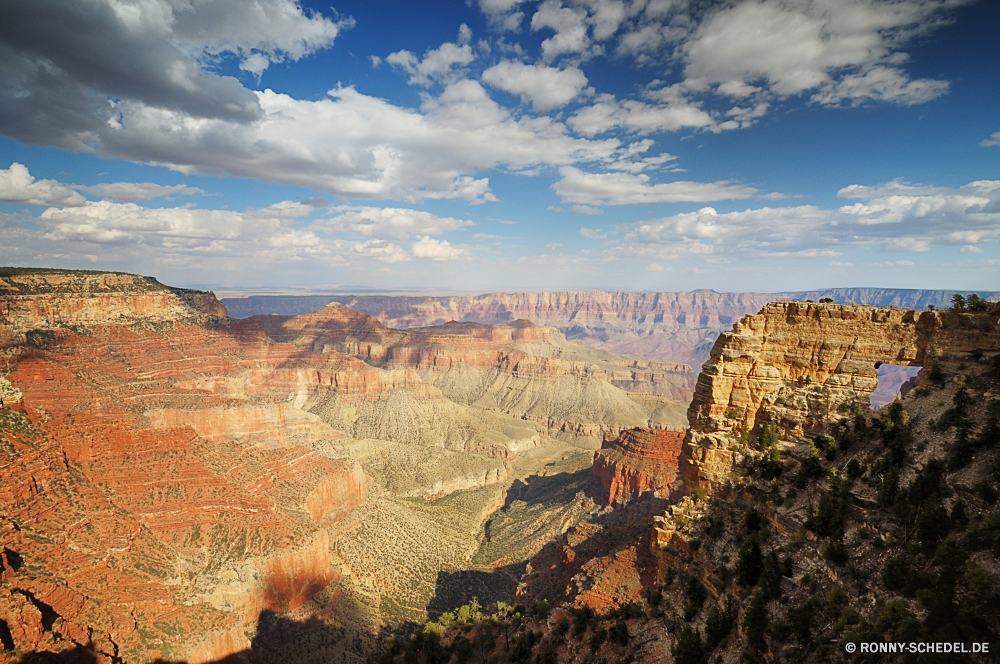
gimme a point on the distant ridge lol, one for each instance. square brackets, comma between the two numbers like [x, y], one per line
[294, 305]
[901, 298]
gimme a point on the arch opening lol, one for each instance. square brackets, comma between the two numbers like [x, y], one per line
[892, 383]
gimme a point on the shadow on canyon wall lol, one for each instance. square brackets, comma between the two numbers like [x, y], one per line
[278, 639]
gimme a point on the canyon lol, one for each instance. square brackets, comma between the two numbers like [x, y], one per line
[803, 522]
[179, 484]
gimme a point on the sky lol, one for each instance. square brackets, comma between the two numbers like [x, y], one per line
[482, 145]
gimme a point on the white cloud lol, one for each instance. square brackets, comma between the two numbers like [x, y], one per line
[171, 112]
[503, 14]
[889, 84]
[569, 25]
[593, 233]
[394, 224]
[18, 186]
[586, 209]
[261, 32]
[358, 146]
[607, 113]
[105, 222]
[438, 65]
[438, 250]
[130, 192]
[847, 49]
[380, 250]
[967, 217]
[992, 141]
[576, 186]
[545, 87]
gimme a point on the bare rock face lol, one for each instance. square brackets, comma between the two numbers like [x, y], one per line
[794, 363]
[156, 494]
[51, 300]
[638, 464]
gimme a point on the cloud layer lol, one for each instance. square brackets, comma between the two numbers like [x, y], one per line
[894, 217]
[137, 80]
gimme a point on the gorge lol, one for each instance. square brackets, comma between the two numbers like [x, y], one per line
[183, 485]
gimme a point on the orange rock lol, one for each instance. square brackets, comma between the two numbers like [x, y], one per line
[637, 464]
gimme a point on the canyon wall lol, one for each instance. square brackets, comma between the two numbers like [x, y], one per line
[794, 364]
[638, 464]
[518, 369]
[155, 488]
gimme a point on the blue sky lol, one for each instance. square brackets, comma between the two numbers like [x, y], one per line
[505, 144]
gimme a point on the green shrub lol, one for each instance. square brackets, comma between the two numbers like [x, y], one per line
[689, 648]
[835, 551]
[750, 563]
[597, 637]
[619, 633]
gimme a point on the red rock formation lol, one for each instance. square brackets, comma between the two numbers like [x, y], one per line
[122, 528]
[637, 464]
[603, 568]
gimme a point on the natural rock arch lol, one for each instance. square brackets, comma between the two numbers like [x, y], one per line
[794, 363]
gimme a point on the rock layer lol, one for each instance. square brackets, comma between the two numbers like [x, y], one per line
[125, 531]
[638, 464]
[517, 368]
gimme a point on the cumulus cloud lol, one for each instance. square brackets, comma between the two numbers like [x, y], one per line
[569, 24]
[607, 113]
[353, 145]
[18, 186]
[380, 250]
[964, 217]
[576, 186]
[503, 14]
[394, 224]
[847, 49]
[992, 141]
[82, 77]
[545, 87]
[439, 64]
[130, 192]
[835, 51]
[585, 209]
[108, 223]
[78, 54]
[438, 250]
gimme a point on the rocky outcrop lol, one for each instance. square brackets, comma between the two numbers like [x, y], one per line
[638, 464]
[62, 299]
[795, 363]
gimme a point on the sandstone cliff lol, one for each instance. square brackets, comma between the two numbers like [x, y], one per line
[126, 532]
[796, 364]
